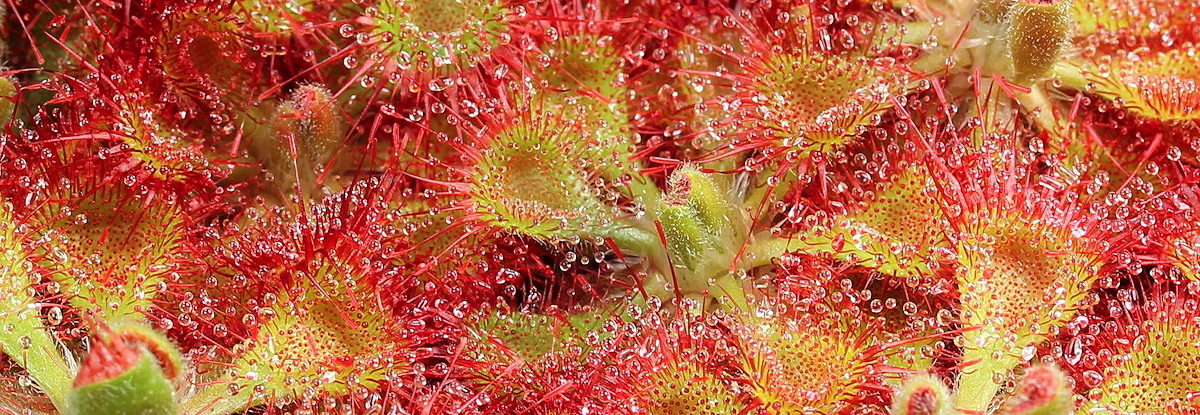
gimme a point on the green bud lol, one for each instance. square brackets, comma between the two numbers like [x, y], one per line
[139, 390]
[701, 192]
[687, 239]
[1038, 34]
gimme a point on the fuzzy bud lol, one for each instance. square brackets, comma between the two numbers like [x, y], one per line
[1038, 33]
[307, 130]
[1043, 391]
[922, 395]
[687, 240]
[700, 191]
[693, 215]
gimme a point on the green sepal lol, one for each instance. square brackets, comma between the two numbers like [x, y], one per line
[128, 370]
[687, 239]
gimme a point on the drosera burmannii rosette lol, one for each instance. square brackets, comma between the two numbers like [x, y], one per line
[581, 206]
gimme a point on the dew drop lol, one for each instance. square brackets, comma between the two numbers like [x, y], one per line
[389, 110]
[416, 115]
[1074, 351]
[945, 318]
[250, 320]
[1174, 154]
[54, 316]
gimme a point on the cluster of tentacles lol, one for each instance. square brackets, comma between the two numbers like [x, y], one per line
[657, 207]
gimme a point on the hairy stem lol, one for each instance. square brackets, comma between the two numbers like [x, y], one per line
[730, 288]
[32, 347]
[1070, 75]
[214, 398]
[977, 386]
[762, 252]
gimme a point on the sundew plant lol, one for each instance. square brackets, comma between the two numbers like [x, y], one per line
[628, 207]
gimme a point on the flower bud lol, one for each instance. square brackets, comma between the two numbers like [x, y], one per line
[127, 371]
[1043, 391]
[305, 133]
[922, 395]
[1038, 34]
[701, 192]
[687, 240]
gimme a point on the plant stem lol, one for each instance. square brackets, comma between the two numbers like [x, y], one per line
[759, 194]
[760, 253]
[1036, 102]
[28, 342]
[213, 399]
[42, 358]
[916, 33]
[1070, 75]
[642, 187]
[964, 8]
[731, 288]
[977, 386]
